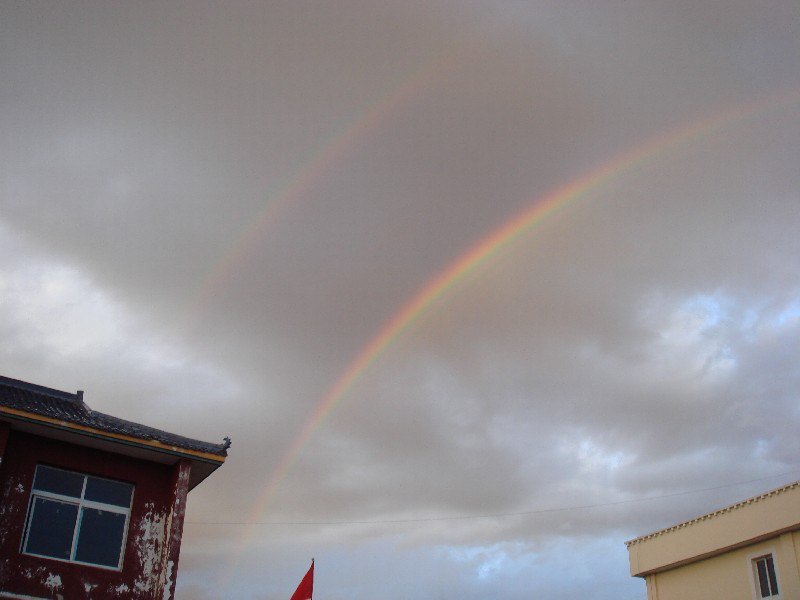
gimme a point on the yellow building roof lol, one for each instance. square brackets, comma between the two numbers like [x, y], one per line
[746, 522]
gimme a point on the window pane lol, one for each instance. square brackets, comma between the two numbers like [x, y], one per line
[58, 481]
[109, 492]
[773, 581]
[100, 537]
[51, 528]
[762, 578]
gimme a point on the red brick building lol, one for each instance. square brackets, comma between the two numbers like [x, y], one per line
[91, 506]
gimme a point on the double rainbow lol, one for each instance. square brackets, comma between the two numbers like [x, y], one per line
[498, 240]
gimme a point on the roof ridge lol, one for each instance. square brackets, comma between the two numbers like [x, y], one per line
[715, 513]
[32, 387]
[70, 408]
[150, 430]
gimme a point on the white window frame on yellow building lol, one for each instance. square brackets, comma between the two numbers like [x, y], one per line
[772, 553]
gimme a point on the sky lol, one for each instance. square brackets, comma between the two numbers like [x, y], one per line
[479, 290]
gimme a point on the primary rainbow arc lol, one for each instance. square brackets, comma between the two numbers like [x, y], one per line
[491, 245]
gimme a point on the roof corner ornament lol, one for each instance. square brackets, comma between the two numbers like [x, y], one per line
[227, 443]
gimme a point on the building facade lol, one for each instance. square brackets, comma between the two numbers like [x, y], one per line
[91, 506]
[747, 551]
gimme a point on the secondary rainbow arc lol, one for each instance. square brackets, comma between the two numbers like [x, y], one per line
[330, 151]
[489, 246]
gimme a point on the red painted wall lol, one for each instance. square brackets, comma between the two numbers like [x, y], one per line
[148, 548]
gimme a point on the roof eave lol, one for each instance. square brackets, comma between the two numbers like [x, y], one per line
[204, 463]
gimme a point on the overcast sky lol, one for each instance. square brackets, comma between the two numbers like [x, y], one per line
[209, 212]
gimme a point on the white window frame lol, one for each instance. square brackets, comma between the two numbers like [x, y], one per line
[81, 503]
[755, 582]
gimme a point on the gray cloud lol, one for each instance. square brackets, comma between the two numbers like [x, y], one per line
[637, 343]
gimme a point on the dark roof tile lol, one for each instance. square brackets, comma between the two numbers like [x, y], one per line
[32, 398]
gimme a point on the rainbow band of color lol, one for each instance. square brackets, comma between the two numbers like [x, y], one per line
[335, 146]
[490, 246]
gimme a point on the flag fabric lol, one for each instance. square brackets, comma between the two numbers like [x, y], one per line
[305, 590]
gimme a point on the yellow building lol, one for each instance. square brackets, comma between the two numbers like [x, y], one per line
[747, 551]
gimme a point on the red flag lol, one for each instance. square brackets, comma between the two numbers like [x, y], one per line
[305, 590]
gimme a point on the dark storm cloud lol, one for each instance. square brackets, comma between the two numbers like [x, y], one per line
[638, 343]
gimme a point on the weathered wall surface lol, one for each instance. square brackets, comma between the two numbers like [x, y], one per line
[147, 548]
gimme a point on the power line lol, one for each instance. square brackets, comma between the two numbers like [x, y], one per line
[496, 515]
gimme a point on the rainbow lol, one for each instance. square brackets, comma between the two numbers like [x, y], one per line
[333, 148]
[486, 248]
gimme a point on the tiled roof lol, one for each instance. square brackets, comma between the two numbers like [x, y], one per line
[70, 408]
[716, 513]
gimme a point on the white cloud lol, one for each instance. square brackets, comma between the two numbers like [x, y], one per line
[57, 319]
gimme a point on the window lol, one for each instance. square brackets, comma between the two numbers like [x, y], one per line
[766, 580]
[77, 518]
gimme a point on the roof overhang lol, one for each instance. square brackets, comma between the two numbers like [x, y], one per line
[203, 463]
[755, 519]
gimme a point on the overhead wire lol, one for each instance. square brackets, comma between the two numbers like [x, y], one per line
[499, 515]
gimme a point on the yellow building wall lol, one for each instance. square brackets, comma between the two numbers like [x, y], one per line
[796, 540]
[729, 576]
